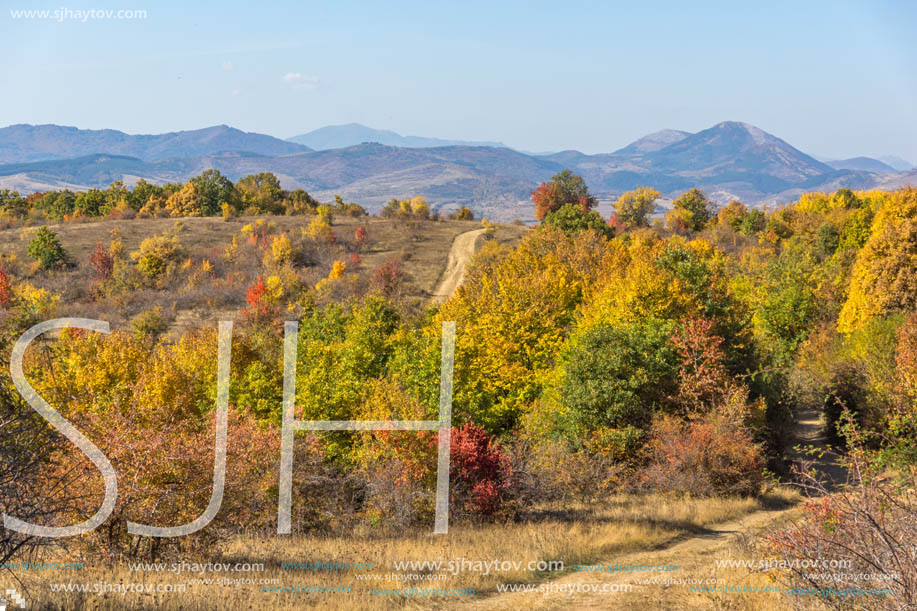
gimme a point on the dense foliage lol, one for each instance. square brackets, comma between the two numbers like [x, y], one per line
[665, 358]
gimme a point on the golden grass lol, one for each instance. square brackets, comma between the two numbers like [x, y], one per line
[573, 534]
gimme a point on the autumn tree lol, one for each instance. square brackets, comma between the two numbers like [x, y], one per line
[697, 208]
[186, 202]
[634, 207]
[564, 188]
[884, 278]
[261, 191]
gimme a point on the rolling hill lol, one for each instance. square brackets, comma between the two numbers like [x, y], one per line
[730, 160]
[866, 164]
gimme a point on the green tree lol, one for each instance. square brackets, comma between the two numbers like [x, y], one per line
[828, 238]
[754, 222]
[12, 204]
[634, 207]
[90, 202]
[698, 207]
[571, 218]
[213, 190]
[46, 248]
[141, 194]
[618, 376]
[57, 204]
[261, 191]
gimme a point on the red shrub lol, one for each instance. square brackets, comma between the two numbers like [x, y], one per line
[617, 224]
[360, 236]
[388, 279]
[546, 199]
[707, 456]
[6, 289]
[102, 262]
[259, 307]
[480, 471]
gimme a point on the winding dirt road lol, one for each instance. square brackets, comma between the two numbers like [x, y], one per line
[459, 257]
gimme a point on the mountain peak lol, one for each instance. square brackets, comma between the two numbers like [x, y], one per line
[758, 135]
[653, 142]
[739, 148]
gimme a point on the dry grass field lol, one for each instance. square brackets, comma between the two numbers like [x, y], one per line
[633, 527]
[422, 247]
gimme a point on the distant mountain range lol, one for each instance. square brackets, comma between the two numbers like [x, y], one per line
[898, 163]
[352, 134]
[730, 160]
[20, 143]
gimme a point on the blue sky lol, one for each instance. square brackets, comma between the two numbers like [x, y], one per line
[833, 78]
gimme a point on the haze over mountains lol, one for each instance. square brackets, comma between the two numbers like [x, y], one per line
[730, 160]
[352, 134]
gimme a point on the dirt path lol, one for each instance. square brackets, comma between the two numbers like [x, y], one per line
[694, 554]
[459, 258]
[810, 431]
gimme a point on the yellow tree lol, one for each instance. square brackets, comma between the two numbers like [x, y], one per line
[634, 207]
[884, 277]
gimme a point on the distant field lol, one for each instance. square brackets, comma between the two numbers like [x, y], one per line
[421, 246]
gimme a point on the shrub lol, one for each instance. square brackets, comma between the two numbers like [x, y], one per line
[464, 214]
[360, 236]
[697, 207]
[702, 375]
[263, 299]
[753, 223]
[388, 279]
[844, 394]
[402, 468]
[158, 256]
[282, 249]
[150, 323]
[46, 248]
[828, 238]
[869, 523]
[6, 288]
[707, 456]
[633, 207]
[102, 262]
[479, 470]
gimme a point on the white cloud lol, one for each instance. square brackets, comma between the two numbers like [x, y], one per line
[298, 81]
[227, 65]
